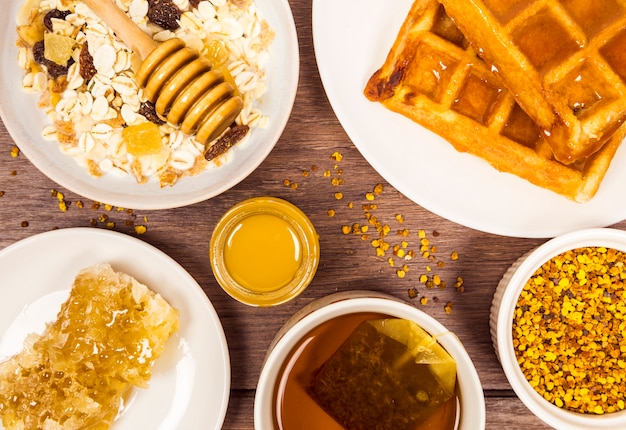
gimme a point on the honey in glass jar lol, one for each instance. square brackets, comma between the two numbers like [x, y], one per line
[264, 251]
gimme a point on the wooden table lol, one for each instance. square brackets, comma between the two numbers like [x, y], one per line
[303, 156]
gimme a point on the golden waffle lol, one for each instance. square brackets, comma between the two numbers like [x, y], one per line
[432, 76]
[563, 60]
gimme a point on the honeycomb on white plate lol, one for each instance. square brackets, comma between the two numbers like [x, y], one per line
[76, 374]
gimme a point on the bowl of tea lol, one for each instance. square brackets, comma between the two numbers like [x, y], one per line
[362, 359]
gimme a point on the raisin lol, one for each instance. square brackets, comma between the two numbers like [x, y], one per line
[54, 13]
[164, 13]
[54, 70]
[148, 110]
[194, 3]
[224, 143]
[85, 60]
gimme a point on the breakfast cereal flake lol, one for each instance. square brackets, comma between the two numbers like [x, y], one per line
[90, 104]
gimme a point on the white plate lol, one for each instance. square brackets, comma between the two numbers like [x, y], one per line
[352, 39]
[190, 385]
[25, 123]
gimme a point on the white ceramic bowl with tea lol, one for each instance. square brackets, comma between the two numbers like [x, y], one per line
[359, 357]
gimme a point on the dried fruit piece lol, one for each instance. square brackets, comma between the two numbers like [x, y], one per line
[224, 143]
[217, 52]
[58, 48]
[142, 139]
[54, 70]
[87, 69]
[33, 32]
[54, 13]
[164, 13]
[218, 55]
[148, 110]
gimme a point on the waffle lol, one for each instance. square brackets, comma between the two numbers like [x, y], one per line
[562, 59]
[432, 76]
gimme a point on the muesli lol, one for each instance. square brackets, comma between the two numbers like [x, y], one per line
[85, 77]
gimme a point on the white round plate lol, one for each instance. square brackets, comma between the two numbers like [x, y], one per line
[352, 39]
[25, 122]
[190, 385]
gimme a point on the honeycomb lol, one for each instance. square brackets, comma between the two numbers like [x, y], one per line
[76, 374]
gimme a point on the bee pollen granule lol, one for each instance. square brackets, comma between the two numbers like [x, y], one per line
[568, 329]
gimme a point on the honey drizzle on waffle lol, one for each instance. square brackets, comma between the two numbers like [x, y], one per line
[433, 76]
[562, 60]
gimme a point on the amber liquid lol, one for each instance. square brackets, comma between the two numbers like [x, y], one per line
[294, 409]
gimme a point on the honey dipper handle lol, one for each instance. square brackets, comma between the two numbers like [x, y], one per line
[123, 26]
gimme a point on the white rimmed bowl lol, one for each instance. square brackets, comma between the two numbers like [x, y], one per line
[501, 325]
[472, 402]
[25, 122]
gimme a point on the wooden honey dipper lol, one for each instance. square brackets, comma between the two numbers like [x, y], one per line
[177, 79]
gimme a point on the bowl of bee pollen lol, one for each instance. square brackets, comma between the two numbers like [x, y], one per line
[557, 322]
[315, 373]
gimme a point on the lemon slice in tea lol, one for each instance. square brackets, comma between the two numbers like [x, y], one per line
[424, 348]
[375, 368]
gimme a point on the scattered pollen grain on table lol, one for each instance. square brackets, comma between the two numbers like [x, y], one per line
[103, 214]
[392, 241]
[63, 204]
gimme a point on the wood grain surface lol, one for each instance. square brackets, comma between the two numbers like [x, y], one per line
[348, 262]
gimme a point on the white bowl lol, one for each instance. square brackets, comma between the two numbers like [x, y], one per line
[472, 409]
[501, 325]
[24, 122]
